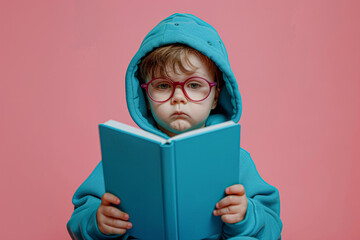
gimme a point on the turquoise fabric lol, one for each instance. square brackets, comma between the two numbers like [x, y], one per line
[262, 219]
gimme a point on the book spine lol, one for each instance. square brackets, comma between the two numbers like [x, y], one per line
[169, 191]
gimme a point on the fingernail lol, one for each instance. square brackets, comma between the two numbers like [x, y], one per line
[126, 216]
[129, 225]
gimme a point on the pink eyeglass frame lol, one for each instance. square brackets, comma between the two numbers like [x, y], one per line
[175, 84]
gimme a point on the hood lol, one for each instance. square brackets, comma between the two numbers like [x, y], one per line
[194, 32]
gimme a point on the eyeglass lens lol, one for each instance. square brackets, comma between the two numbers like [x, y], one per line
[195, 88]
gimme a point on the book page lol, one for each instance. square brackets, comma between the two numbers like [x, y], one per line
[136, 131]
[201, 130]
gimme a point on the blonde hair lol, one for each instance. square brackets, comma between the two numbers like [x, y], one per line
[172, 58]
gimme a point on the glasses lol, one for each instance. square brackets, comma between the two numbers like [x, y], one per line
[161, 89]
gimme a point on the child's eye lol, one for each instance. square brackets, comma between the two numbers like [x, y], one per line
[194, 85]
[163, 85]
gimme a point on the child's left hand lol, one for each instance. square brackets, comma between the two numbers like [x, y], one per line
[232, 208]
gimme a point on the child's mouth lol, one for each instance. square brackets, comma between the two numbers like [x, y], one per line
[179, 114]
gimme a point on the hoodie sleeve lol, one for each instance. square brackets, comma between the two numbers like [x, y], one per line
[262, 220]
[86, 200]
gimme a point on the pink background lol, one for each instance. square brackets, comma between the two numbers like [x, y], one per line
[297, 63]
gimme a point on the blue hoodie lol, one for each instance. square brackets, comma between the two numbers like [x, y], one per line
[262, 219]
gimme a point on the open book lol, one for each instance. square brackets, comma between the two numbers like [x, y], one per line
[169, 187]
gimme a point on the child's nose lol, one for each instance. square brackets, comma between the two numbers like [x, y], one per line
[179, 96]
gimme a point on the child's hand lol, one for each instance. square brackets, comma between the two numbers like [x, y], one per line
[232, 208]
[110, 219]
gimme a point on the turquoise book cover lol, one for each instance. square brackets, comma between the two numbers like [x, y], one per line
[169, 187]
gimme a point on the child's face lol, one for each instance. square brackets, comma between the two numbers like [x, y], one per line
[180, 114]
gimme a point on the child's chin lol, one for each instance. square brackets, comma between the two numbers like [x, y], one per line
[180, 126]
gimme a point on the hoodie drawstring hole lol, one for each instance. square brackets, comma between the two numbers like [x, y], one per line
[176, 24]
[209, 43]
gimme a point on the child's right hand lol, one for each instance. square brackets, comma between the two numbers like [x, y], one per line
[110, 219]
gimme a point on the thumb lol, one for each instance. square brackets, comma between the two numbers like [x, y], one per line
[108, 199]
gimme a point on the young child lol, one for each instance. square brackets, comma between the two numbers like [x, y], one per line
[179, 80]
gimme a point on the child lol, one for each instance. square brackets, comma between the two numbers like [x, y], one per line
[179, 80]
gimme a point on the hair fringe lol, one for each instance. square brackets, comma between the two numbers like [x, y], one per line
[171, 58]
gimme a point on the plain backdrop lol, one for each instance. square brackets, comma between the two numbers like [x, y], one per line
[62, 69]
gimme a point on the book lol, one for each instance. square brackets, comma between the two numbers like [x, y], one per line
[169, 187]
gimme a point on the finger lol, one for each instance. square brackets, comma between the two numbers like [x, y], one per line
[236, 189]
[116, 223]
[114, 212]
[232, 218]
[108, 199]
[229, 200]
[228, 210]
[112, 230]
